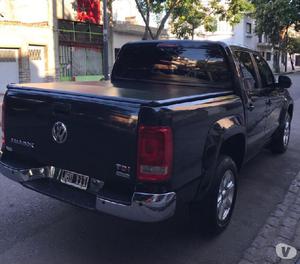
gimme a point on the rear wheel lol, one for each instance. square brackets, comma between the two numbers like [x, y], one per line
[214, 213]
[281, 138]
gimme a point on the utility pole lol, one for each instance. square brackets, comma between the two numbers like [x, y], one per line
[105, 40]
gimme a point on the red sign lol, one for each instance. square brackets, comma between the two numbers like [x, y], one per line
[88, 11]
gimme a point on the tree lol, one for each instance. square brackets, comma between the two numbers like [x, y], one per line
[274, 18]
[188, 17]
[157, 7]
[192, 14]
[293, 46]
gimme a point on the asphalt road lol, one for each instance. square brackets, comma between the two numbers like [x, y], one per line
[38, 229]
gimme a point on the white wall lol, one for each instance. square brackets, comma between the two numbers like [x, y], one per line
[241, 37]
[127, 8]
[65, 10]
[24, 10]
[28, 23]
[119, 39]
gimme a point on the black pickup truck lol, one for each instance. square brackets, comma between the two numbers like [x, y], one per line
[173, 127]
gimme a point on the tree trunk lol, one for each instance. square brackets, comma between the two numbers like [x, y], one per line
[146, 21]
[292, 62]
[193, 33]
[276, 61]
[165, 18]
[146, 33]
[285, 62]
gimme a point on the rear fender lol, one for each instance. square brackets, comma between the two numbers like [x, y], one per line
[220, 131]
[286, 109]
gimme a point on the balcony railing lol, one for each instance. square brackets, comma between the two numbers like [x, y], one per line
[71, 32]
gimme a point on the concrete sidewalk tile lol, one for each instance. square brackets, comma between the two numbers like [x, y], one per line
[282, 226]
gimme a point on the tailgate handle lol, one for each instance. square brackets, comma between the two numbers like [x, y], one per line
[61, 108]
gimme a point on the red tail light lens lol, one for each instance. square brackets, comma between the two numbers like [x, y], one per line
[155, 153]
[3, 122]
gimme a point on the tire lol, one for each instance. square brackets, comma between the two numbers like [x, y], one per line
[207, 216]
[280, 141]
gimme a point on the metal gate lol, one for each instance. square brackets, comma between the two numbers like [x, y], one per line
[79, 62]
[65, 63]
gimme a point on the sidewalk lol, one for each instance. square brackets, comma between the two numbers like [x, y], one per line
[287, 73]
[282, 226]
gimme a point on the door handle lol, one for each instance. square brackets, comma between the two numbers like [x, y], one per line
[269, 102]
[251, 107]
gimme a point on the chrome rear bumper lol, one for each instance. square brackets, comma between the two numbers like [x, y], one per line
[144, 207]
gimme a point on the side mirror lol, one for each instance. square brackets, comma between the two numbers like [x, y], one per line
[284, 82]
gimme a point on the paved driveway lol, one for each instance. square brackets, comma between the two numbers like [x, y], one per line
[37, 229]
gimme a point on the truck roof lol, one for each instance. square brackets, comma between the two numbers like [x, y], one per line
[180, 42]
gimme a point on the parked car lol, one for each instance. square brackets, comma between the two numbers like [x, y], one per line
[172, 128]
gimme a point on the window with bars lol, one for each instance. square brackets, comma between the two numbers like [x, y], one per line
[35, 54]
[80, 33]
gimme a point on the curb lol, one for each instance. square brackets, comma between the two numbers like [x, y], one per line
[282, 226]
[287, 73]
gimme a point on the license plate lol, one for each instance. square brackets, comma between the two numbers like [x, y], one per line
[74, 179]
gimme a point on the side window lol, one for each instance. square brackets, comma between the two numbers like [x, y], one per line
[266, 75]
[247, 69]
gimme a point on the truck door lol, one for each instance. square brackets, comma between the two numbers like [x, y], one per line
[275, 97]
[255, 108]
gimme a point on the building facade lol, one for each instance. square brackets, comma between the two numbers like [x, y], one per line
[80, 40]
[241, 34]
[28, 42]
[51, 40]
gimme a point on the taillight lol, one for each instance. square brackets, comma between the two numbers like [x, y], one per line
[155, 153]
[3, 122]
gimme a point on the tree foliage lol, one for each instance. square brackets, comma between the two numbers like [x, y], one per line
[274, 18]
[187, 15]
[192, 14]
[156, 7]
[292, 47]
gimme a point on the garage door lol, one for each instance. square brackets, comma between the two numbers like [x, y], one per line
[37, 63]
[9, 68]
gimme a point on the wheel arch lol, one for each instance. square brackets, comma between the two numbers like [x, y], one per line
[224, 134]
[291, 110]
[288, 108]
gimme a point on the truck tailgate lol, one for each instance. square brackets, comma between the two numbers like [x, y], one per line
[101, 134]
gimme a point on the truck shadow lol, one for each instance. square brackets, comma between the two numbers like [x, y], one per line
[90, 237]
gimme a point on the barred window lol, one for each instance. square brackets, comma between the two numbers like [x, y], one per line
[35, 54]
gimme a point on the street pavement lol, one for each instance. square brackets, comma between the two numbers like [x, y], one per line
[38, 229]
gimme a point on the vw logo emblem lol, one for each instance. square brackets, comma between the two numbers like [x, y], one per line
[59, 132]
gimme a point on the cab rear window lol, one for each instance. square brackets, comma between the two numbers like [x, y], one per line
[175, 63]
